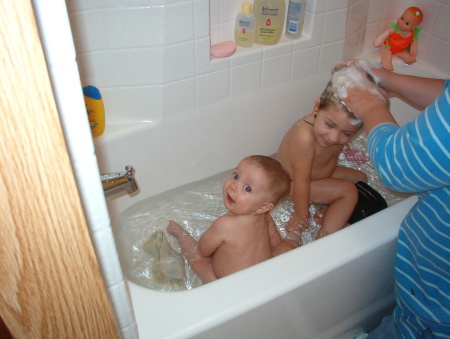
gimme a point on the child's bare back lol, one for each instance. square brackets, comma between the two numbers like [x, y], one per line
[244, 242]
[246, 235]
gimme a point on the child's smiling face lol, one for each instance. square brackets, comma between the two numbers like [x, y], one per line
[333, 127]
[246, 189]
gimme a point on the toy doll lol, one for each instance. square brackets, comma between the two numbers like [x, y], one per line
[401, 38]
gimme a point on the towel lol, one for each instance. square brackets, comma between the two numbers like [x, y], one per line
[168, 265]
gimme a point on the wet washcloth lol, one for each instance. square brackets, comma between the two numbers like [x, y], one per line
[168, 265]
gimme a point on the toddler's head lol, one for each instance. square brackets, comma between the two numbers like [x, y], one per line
[279, 181]
[328, 100]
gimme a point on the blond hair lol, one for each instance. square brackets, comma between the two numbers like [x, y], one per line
[329, 99]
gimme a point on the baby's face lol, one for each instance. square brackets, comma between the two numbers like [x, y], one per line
[408, 21]
[333, 127]
[246, 189]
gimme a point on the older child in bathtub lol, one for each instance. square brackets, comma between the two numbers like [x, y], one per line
[309, 152]
[246, 235]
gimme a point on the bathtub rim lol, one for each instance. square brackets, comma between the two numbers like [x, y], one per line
[215, 311]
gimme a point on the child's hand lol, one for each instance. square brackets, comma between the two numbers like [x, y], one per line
[297, 223]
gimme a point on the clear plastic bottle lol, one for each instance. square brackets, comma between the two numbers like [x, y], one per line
[244, 30]
[295, 17]
[269, 20]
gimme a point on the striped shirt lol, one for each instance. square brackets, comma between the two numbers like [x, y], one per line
[416, 158]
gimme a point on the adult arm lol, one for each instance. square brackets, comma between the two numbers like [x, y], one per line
[417, 90]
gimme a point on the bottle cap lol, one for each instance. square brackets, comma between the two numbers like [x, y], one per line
[247, 7]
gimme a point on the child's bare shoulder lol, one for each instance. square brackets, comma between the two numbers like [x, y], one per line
[227, 220]
[302, 131]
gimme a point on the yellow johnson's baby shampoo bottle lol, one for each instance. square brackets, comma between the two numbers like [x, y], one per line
[269, 20]
[244, 30]
[95, 110]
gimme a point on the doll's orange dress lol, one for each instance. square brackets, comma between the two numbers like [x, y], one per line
[398, 43]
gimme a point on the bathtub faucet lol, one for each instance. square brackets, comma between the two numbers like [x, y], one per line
[118, 182]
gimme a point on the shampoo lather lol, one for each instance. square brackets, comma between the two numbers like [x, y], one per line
[269, 20]
[95, 110]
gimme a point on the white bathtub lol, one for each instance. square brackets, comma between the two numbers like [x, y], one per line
[331, 288]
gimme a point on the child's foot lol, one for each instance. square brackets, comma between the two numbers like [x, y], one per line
[176, 230]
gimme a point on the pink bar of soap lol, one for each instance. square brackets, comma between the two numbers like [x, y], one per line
[223, 49]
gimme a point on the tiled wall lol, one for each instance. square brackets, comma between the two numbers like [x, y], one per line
[150, 58]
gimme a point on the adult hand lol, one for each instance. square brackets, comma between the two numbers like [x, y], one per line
[362, 97]
[351, 84]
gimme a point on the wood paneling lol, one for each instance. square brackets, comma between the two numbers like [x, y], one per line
[50, 283]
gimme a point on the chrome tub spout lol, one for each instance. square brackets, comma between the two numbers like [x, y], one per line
[118, 182]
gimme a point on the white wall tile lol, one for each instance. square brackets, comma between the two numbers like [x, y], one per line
[138, 103]
[317, 6]
[212, 87]
[229, 9]
[178, 97]
[95, 69]
[314, 27]
[90, 31]
[276, 71]
[247, 55]
[430, 9]
[178, 22]
[201, 25]
[375, 11]
[335, 26]
[357, 18]
[305, 63]
[245, 79]
[442, 26]
[393, 9]
[352, 46]
[283, 48]
[440, 60]
[371, 33]
[337, 4]
[179, 61]
[130, 28]
[330, 55]
[135, 67]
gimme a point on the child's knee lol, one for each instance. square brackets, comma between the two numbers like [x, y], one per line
[350, 192]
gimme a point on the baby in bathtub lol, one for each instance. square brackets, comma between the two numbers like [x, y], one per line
[246, 235]
[309, 152]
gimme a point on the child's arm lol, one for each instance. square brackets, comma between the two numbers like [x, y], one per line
[278, 245]
[302, 156]
[212, 238]
[379, 41]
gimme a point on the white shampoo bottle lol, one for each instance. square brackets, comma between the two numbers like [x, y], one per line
[295, 17]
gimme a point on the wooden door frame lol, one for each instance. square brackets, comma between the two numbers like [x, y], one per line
[50, 281]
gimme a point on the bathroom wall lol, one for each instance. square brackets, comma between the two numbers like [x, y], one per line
[150, 58]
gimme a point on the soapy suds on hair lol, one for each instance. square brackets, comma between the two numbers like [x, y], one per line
[354, 76]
